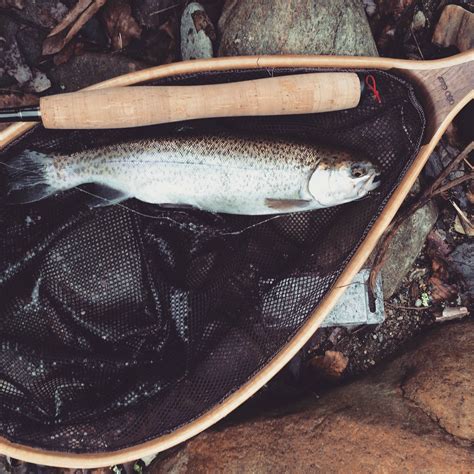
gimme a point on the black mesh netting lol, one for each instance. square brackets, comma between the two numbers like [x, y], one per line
[116, 328]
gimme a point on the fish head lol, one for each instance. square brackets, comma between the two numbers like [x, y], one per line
[338, 181]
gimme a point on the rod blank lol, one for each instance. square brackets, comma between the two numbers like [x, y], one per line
[20, 114]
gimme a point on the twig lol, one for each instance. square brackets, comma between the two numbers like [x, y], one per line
[454, 183]
[434, 190]
[462, 216]
[165, 9]
[414, 308]
[416, 41]
[445, 173]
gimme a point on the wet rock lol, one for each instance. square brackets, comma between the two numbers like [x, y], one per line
[406, 246]
[44, 13]
[442, 385]
[13, 63]
[438, 160]
[197, 33]
[419, 21]
[18, 4]
[307, 27]
[414, 414]
[90, 68]
[463, 261]
[30, 40]
[455, 28]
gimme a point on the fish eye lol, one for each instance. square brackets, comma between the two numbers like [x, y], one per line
[357, 171]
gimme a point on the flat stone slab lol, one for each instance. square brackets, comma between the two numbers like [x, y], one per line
[354, 307]
[415, 414]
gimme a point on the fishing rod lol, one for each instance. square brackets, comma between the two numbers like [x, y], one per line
[120, 107]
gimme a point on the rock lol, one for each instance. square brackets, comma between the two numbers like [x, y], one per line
[419, 21]
[406, 246]
[442, 385]
[415, 414]
[438, 160]
[90, 68]
[18, 4]
[463, 261]
[455, 28]
[30, 40]
[305, 27]
[44, 13]
[197, 33]
[12, 61]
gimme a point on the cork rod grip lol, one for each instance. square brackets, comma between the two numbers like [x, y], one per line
[121, 107]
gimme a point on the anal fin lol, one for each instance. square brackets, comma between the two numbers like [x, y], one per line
[100, 195]
[287, 205]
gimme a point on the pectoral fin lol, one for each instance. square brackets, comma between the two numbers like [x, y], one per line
[287, 205]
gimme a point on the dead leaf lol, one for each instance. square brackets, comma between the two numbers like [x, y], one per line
[16, 100]
[331, 365]
[463, 227]
[441, 281]
[437, 245]
[170, 29]
[394, 8]
[455, 28]
[74, 48]
[121, 25]
[470, 193]
[203, 22]
[71, 24]
[442, 291]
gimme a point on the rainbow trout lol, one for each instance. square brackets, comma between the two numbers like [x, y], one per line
[218, 173]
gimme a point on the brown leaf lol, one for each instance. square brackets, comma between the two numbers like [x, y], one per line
[463, 227]
[71, 24]
[121, 25]
[331, 365]
[203, 22]
[437, 245]
[394, 8]
[442, 291]
[74, 48]
[441, 281]
[16, 100]
[170, 29]
[470, 193]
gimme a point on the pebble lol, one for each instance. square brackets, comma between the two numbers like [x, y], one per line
[419, 21]
[197, 33]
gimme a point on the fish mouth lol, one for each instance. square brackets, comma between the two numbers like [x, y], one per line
[374, 182]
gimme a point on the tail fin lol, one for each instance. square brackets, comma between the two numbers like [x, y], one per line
[29, 177]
